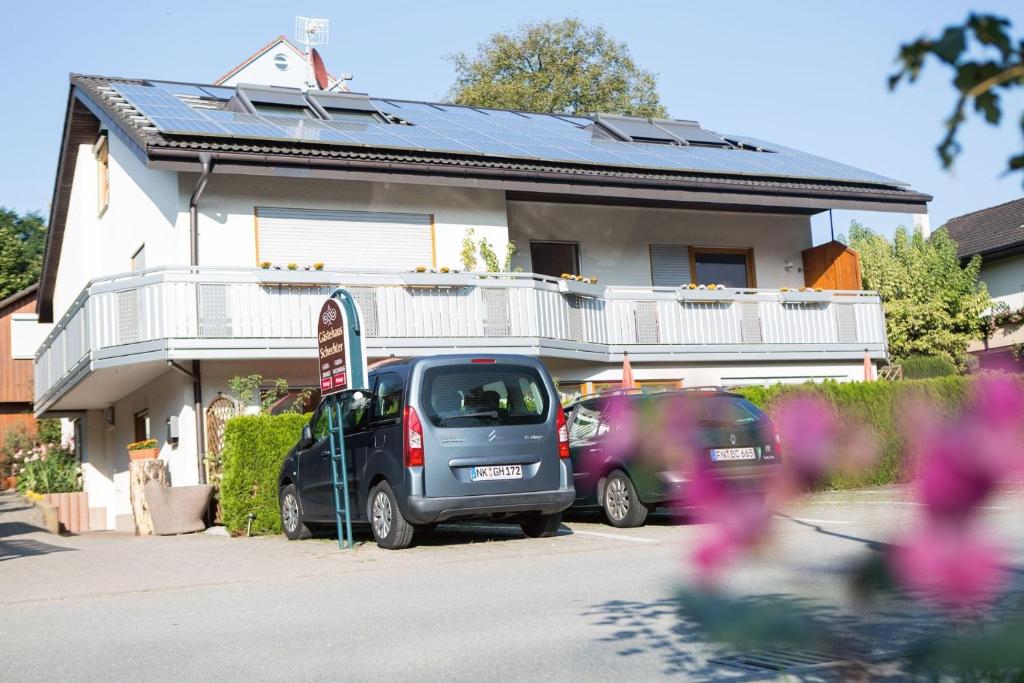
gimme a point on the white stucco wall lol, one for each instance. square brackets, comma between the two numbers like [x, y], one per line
[144, 208]
[228, 226]
[1005, 279]
[264, 69]
[614, 241]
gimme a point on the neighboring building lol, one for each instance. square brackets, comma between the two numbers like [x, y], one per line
[169, 196]
[997, 235]
[279, 63]
[20, 336]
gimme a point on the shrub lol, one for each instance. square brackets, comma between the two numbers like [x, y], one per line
[877, 406]
[927, 367]
[47, 469]
[254, 448]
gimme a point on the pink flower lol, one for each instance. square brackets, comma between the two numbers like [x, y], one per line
[809, 432]
[947, 565]
[621, 416]
[952, 477]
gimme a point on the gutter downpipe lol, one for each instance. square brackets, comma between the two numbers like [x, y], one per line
[206, 161]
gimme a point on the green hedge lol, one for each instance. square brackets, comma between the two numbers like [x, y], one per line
[926, 367]
[876, 404]
[254, 448]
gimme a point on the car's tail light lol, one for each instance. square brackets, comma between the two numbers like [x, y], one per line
[485, 361]
[778, 444]
[563, 434]
[413, 438]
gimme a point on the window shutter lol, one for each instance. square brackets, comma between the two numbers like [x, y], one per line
[670, 265]
[345, 240]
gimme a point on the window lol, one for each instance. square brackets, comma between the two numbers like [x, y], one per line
[102, 152]
[139, 259]
[729, 267]
[282, 110]
[670, 265]
[555, 258]
[352, 413]
[484, 395]
[387, 399]
[281, 61]
[587, 424]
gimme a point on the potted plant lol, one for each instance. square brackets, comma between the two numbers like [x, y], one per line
[580, 285]
[143, 450]
[804, 295]
[712, 293]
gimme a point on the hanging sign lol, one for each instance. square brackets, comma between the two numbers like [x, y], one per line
[332, 342]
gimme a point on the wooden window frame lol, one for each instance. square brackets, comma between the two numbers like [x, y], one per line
[748, 252]
[574, 243]
[101, 150]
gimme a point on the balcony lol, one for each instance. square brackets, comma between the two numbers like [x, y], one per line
[139, 322]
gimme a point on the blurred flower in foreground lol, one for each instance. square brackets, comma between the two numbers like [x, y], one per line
[960, 464]
[949, 565]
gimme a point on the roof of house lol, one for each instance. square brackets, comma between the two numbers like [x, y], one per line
[19, 296]
[452, 135]
[989, 232]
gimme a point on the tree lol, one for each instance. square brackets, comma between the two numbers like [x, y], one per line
[22, 241]
[985, 61]
[932, 304]
[564, 67]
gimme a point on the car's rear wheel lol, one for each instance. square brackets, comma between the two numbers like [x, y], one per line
[291, 515]
[390, 529]
[541, 526]
[622, 507]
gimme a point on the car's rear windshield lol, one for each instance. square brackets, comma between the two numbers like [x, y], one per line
[484, 395]
[723, 410]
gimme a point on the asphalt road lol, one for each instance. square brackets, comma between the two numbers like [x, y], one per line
[467, 603]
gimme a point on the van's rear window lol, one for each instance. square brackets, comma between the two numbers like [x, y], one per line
[484, 396]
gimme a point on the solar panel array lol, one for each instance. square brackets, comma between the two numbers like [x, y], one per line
[466, 130]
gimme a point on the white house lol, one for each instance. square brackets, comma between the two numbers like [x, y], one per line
[997, 235]
[280, 62]
[178, 208]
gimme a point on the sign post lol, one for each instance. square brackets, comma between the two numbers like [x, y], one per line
[341, 366]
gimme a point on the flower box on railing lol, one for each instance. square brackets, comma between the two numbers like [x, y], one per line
[440, 280]
[588, 289]
[805, 297]
[694, 296]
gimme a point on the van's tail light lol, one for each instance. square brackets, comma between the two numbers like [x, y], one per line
[563, 434]
[413, 438]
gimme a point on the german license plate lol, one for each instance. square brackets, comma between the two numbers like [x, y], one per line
[495, 472]
[719, 454]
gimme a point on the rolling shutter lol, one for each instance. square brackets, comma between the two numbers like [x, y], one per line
[670, 265]
[345, 240]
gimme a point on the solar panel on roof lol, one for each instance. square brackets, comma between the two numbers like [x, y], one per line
[499, 133]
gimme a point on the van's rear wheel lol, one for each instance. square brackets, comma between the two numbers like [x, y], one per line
[291, 515]
[390, 529]
[622, 507]
[541, 526]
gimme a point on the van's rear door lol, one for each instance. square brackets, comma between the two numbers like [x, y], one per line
[489, 427]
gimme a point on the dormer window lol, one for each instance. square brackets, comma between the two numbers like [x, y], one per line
[658, 131]
[271, 101]
[345, 106]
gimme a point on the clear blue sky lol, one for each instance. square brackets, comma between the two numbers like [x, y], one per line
[807, 75]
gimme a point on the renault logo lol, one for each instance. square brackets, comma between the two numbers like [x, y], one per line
[494, 435]
[732, 439]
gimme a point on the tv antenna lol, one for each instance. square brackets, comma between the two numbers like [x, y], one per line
[311, 31]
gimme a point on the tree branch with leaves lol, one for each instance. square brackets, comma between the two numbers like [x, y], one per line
[987, 63]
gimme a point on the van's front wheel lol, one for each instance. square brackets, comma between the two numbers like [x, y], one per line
[541, 526]
[390, 529]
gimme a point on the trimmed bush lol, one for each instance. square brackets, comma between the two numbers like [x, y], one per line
[254, 448]
[877, 405]
[927, 367]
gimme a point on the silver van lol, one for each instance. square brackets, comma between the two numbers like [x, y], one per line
[438, 439]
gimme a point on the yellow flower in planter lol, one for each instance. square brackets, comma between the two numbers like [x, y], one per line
[593, 280]
[445, 269]
[421, 269]
[784, 289]
[566, 276]
[691, 286]
[318, 266]
[265, 265]
[293, 266]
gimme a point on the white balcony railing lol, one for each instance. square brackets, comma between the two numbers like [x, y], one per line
[178, 313]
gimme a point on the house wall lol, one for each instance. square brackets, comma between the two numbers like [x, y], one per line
[614, 241]
[228, 225]
[105, 452]
[15, 370]
[263, 70]
[1005, 279]
[144, 208]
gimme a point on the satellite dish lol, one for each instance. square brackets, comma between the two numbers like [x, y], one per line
[323, 81]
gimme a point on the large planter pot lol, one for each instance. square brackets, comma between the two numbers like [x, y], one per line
[144, 454]
[72, 510]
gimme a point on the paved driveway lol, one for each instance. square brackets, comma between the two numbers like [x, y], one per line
[475, 602]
